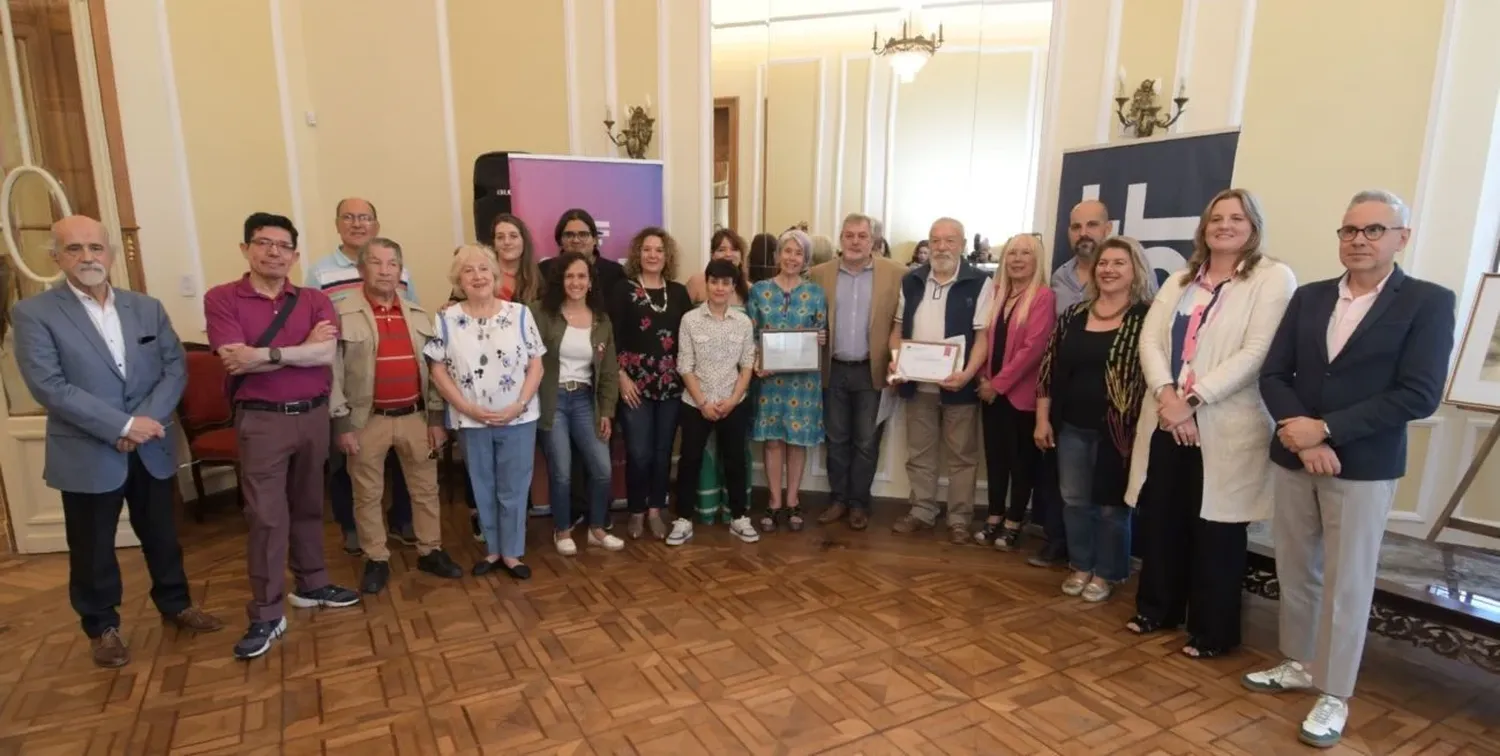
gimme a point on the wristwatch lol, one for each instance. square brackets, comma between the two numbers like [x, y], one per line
[1194, 401]
[1327, 434]
[275, 355]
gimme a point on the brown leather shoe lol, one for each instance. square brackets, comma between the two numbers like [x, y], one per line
[958, 535]
[859, 519]
[832, 514]
[196, 620]
[909, 524]
[110, 650]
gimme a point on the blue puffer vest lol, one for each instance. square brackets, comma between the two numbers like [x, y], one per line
[962, 298]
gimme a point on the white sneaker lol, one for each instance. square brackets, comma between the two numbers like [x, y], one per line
[1324, 725]
[608, 542]
[565, 545]
[682, 532]
[1288, 675]
[743, 530]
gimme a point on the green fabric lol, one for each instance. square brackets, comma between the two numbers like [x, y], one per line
[713, 497]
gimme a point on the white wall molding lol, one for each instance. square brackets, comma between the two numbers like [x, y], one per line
[1187, 37]
[1438, 112]
[839, 141]
[1432, 470]
[611, 71]
[1474, 428]
[758, 164]
[820, 125]
[1042, 205]
[1115, 17]
[570, 74]
[888, 177]
[663, 113]
[450, 121]
[1035, 94]
[866, 155]
[284, 97]
[705, 120]
[1241, 81]
[986, 50]
[179, 144]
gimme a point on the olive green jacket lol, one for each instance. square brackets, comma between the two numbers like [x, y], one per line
[552, 326]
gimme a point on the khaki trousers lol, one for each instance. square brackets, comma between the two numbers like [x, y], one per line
[956, 426]
[1328, 534]
[408, 436]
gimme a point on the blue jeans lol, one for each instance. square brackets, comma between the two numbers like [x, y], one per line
[851, 405]
[1098, 532]
[499, 461]
[573, 424]
[341, 492]
[649, 432]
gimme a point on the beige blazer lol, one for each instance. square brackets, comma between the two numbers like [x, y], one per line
[885, 295]
[353, 394]
[1234, 429]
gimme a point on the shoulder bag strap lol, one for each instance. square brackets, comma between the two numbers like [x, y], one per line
[266, 337]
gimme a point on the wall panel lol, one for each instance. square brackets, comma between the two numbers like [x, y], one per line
[792, 144]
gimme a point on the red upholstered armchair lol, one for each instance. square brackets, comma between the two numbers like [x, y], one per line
[207, 419]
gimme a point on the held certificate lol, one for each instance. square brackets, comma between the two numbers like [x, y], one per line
[789, 351]
[928, 361]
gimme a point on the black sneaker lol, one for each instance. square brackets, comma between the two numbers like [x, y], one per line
[475, 527]
[437, 562]
[258, 638]
[329, 597]
[377, 574]
[1050, 555]
[987, 535]
[1007, 539]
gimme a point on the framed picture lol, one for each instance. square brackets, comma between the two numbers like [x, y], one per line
[1476, 374]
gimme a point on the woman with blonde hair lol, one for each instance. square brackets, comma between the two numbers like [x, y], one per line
[486, 361]
[1089, 391]
[1203, 441]
[1025, 311]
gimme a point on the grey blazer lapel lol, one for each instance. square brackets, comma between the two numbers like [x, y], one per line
[131, 331]
[68, 302]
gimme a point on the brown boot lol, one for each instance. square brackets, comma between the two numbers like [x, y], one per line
[859, 519]
[909, 524]
[196, 620]
[832, 514]
[110, 650]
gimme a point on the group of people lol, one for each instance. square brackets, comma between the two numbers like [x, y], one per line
[1198, 401]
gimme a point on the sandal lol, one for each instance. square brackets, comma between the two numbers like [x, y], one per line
[768, 520]
[1196, 649]
[794, 519]
[1140, 624]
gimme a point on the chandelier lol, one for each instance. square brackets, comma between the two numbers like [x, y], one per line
[907, 53]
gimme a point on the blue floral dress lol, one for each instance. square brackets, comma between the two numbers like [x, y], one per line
[789, 406]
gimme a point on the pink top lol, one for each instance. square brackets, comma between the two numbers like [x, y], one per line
[1348, 313]
[1024, 346]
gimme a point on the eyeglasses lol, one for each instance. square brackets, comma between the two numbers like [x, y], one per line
[264, 244]
[1372, 232]
[352, 218]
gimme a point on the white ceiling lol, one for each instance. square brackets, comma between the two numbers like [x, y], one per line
[739, 12]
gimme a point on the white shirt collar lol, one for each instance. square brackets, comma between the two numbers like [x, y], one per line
[87, 298]
[1344, 292]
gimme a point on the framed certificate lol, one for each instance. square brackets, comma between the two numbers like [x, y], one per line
[789, 351]
[928, 361]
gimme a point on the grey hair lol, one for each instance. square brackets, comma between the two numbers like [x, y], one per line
[956, 222]
[1389, 199]
[857, 218]
[380, 241]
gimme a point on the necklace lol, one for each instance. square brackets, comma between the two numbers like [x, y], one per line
[1094, 308]
[652, 302]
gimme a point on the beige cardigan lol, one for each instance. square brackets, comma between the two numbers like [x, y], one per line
[1234, 429]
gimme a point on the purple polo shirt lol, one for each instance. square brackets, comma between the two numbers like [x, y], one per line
[238, 314]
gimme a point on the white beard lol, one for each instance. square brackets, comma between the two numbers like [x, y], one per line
[92, 277]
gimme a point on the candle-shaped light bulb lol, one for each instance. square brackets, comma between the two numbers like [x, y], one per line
[1182, 87]
[648, 104]
[1156, 86]
[1120, 82]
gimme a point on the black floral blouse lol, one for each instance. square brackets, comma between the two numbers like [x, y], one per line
[645, 339]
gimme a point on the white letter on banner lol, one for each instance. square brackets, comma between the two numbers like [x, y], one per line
[1145, 229]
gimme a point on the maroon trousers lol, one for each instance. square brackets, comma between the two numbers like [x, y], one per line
[281, 477]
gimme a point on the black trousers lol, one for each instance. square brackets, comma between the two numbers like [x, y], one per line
[90, 520]
[733, 434]
[1011, 458]
[1191, 568]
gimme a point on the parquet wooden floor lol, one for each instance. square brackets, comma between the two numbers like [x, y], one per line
[827, 641]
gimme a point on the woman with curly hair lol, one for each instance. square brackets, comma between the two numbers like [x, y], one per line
[646, 309]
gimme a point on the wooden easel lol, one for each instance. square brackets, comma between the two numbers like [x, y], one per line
[1446, 519]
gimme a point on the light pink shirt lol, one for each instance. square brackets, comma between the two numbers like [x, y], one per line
[1349, 311]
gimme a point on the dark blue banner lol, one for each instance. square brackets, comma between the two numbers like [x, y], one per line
[1155, 190]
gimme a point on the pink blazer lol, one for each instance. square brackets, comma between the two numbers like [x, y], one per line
[1024, 345]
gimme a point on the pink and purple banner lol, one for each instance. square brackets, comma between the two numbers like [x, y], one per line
[624, 196]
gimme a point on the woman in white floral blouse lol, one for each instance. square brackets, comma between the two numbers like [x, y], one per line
[715, 355]
[487, 363]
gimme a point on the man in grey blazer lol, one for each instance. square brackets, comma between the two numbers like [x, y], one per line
[109, 370]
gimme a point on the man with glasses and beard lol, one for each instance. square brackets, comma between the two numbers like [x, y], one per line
[338, 275]
[1088, 226]
[107, 366]
[944, 299]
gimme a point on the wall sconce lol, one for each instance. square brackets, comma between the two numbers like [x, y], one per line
[636, 136]
[1145, 116]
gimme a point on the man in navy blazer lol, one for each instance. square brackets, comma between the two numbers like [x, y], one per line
[1356, 359]
[108, 368]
